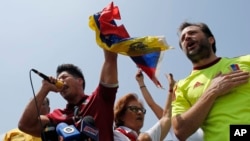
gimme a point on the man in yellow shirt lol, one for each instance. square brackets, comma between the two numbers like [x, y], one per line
[216, 94]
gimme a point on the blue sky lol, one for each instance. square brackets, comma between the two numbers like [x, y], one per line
[42, 34]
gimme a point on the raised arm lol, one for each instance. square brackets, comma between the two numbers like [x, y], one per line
[109, 73]
[165, 121]
[162, 127]
[147, 96]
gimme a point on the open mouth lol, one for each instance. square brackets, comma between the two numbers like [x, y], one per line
[190, 44]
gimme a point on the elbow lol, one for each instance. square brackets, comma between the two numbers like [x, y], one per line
[21, 127]
[182, 133]
[179, 131]
[32, 130]
[180, 136]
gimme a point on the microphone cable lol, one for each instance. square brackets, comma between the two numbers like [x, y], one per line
[38, 110]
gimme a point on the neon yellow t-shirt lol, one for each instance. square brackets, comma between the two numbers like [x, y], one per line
[233, 108]
[17, 135]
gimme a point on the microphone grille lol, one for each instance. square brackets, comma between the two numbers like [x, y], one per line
[89, 119]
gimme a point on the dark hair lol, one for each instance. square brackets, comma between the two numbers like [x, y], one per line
[73, 70]
[204, 28]
[121, 107]
[47, 100]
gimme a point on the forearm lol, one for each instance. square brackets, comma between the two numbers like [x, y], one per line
[187, 123]
[151, 103]
[165, 121]
[29, 121]
[168, 106]
[109, 73]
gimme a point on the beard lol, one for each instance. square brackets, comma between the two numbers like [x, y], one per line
[202, 52]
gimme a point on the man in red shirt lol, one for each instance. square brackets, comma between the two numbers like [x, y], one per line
[99, 104]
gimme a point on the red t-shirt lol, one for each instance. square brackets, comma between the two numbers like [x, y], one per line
[99, 105]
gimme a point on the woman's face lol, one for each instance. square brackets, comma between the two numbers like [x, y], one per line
[134, 115]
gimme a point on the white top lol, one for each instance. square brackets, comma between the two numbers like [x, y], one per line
[155, 132]
[118, 136]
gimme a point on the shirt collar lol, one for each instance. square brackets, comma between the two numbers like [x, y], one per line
[128, 130]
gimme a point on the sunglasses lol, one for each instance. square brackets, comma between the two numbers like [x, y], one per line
[136, 109]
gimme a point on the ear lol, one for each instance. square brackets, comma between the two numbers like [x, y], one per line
[79, 80]
[211, 40]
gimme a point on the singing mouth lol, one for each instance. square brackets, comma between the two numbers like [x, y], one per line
[190, 44]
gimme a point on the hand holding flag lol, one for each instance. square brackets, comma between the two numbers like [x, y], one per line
[146, 52]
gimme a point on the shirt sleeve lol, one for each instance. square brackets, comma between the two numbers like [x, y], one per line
[180, 104]
[155, 132]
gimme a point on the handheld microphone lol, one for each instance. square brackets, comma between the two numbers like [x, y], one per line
[88, 128]
[59, 84]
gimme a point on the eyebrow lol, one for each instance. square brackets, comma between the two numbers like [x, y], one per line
[135, 106]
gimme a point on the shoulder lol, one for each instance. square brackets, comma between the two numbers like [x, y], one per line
[154, 132]
[16, 134]
[241, 57]
[244, 57]
[118, 136]
[13, 132]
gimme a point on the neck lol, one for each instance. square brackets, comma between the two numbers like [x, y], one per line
[76, 99]
[205, 61]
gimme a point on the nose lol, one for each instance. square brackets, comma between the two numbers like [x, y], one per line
[187, 37]
[141, 111]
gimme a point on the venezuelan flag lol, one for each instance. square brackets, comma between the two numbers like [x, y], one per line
[145, 51]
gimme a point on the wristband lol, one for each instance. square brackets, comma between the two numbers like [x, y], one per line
[142, 86]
